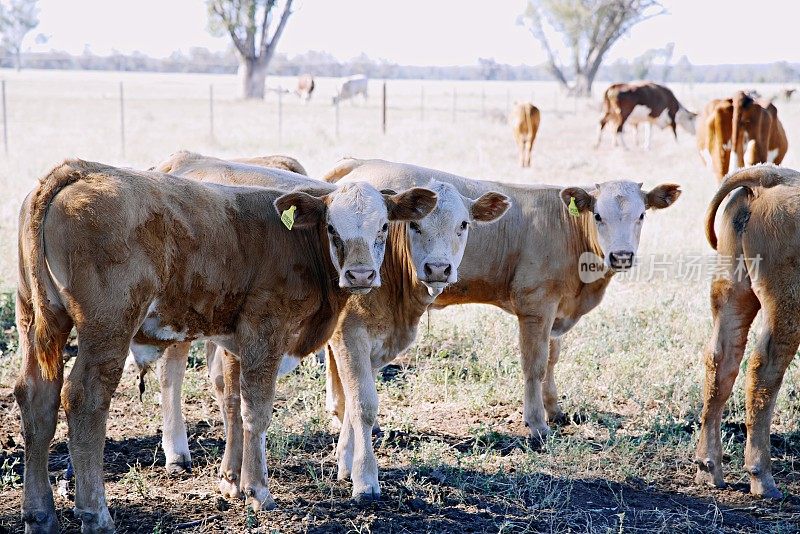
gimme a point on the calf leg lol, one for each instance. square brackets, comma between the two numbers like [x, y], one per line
[550, 392]
[354, 449]
[171, 370]
[259, 373]
[216, 377]
[733, 305]
[86, 397]
[231, 467]
[38, 401]
[334, 392]
[776, 348]
[534, 334]
[603, 121]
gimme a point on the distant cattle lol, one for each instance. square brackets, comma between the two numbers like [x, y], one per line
[759, 244]
[738, 131]
[643, 103]
[141, 260]
[351, 87]
[305, 87]
[525, 123]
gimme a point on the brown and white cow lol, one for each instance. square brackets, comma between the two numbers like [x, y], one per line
[756, 132]
[643, 102]
[528, 263]
[142, 259]
[760, 227]
[305, 87]
[524, 121]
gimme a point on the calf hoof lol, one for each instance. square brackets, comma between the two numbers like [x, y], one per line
[179, 465]
[558, 418]
[230, 490]
[95, 522]
[343, 473]
[40, 522]
[260, 498]
[366, 495]
[708, 473]
[764, 486]
[538, 436]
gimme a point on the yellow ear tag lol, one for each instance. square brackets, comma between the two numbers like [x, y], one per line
[573, 209]
[287, 217]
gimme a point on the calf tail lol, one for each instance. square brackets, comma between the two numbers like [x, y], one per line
[344, 167]
[751, 177]
[46, 349]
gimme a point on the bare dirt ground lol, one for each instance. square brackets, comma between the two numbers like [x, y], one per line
[451, 455]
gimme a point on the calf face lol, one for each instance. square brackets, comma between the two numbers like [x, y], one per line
[618, 209]
[686, 119]
[438, 241]
[356, 218]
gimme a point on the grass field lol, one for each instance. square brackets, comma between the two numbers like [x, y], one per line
[451, 457]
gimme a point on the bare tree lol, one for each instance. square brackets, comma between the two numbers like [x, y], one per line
[589, 28]
[17, 19]
[249, 22]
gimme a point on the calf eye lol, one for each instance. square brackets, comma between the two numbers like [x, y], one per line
[464, 225]
[414, 226]
[597, 217]
[385, 226]
[331, 229]
[641, 217]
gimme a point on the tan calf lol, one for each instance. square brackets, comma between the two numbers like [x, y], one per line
[528, 263]
[761, 225]
[525, 123]
[142, 260]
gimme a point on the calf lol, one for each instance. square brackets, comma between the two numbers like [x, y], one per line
[714, 135]
[643, 102]
[351, 87]
[142, 260]
[528, 263]
[525, 123]
[305, 87]
[756, 132]
[761, 229]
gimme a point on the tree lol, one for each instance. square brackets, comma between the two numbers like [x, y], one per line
[589, 29]
[17, 19]
[248, 23]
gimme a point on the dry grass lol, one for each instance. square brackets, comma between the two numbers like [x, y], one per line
[451, 459]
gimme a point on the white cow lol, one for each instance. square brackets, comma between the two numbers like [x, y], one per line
[350, 87]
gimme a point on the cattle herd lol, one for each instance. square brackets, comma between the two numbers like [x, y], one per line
[268, 266]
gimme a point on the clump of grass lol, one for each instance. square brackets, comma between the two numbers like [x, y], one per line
[9, 478]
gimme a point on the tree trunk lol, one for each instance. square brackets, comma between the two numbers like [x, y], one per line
[583, 84]
[255, 76]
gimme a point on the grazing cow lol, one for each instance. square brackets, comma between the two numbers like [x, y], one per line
[305, 87]
[533, 263]
[643, 102]
[759, 240]
[351, 87]
[757, 134]
[525, 122]
[142, 260]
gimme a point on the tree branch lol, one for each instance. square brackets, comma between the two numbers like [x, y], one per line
[273, 43]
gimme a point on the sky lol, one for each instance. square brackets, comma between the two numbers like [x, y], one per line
[420, 32]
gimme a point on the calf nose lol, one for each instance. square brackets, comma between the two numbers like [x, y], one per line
[621, 259]
[360, 277]
[437, 272]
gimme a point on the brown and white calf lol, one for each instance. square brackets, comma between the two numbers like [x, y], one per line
[524, 121]
[645, 103]
[761, 226]
[142, 260]
[527, 263]
[422, 259]
[305, 87]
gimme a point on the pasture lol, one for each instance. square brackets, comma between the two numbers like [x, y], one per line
[452, 456]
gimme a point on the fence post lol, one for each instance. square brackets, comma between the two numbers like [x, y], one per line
[211, 110]
[122, 118]
[454, 104]
[337, 118]
[422, 103]
[5, 120]
[280, 117]
[383, 106]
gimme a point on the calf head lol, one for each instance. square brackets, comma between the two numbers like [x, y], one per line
[437, 242]
[356, 219]
[686, 119]
[618, 209]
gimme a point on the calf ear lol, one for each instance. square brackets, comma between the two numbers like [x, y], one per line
[490, 207]
[583, 200]
[410, 205]
[309, 210]
[662, 196]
